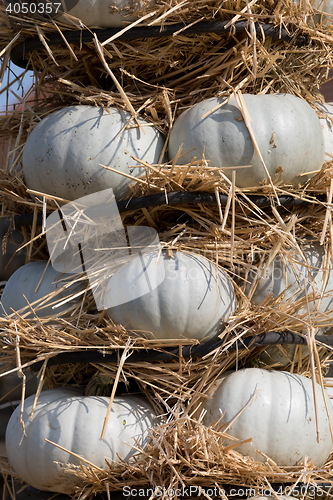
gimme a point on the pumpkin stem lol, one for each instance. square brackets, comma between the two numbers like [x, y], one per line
[100, 384]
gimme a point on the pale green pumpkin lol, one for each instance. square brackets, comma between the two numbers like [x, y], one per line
[193, 299]
[74, 422]
[286, 128]
[65, 153]
[41, 286]
[277, 410]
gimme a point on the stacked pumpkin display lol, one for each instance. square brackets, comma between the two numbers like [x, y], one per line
[80, 150]
[193, 298]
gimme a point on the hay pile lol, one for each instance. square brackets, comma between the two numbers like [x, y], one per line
[163, 76]
[159, 78]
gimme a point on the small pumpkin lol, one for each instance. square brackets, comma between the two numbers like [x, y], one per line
[24, 283]
[286, 128]
[191, 300]
[277, 410]
[64, 154]
[74, 422]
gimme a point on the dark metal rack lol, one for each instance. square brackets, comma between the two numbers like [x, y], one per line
[175, 198]
[189, 351]
[20, 51]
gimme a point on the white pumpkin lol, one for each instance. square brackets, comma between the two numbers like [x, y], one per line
[327, 126]
[192, 301]
[286, 128]
[75, 422]
[293, 277]
[275, 409]
[64, 152]
[24, 283]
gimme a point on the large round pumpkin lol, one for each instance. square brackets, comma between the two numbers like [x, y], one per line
[24, 282]
[286, 128]
[191, 300]
[275, 409]
[75, 422]
[64, 152]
